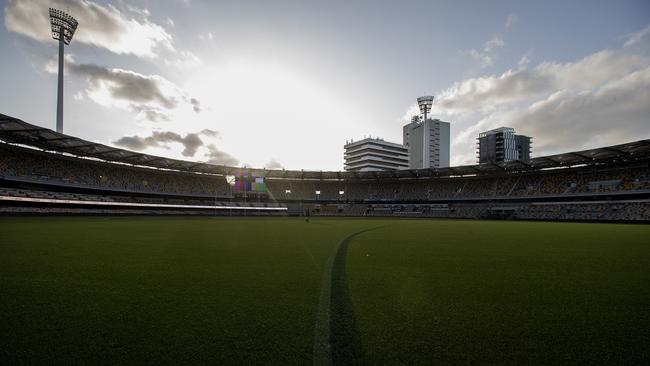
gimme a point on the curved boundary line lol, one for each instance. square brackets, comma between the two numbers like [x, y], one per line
[325, 343]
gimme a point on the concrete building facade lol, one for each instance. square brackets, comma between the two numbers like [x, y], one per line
[375, 154]
[428, 143]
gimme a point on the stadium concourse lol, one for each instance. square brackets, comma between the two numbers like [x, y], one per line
[45, 172]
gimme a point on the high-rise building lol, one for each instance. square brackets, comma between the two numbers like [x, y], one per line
[501, 145]
[427, 142]
[375, 154]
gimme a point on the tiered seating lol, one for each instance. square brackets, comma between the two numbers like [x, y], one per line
[29, 173]
[58, 169]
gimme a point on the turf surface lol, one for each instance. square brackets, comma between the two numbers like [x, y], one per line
[246, 291]
[451, 292]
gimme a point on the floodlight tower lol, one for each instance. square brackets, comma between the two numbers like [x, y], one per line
[63, 28]
[425, 103]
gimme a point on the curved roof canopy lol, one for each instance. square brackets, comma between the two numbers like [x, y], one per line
[13, 130]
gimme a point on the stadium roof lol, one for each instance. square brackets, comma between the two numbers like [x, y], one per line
[13, 130]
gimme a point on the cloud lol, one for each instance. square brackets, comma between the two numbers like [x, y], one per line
[191, 142]
[487, 56]
[196, 106]
[216, 156]
[614, 112]
[126, 85]
[511, 20]
[151, 114]
[148, 95]
[601, 99]
[519, 85]
[638, 37]
[209, 133]
[184, 60]
[143, 13]
[207, 36]
[100, 26]
[495, 42]
[273, 164]
[523, 61]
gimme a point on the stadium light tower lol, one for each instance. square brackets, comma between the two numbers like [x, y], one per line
[425, 103]
[63, 28]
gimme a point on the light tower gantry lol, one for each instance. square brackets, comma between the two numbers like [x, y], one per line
[63, 28]
[425, 103]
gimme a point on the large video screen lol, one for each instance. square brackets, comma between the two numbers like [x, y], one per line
[245, 182]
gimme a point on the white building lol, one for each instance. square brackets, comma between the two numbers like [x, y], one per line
[375, 154]
[430, 150]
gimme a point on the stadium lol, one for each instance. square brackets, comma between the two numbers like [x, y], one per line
[356, 284]
[114, 252]
[47, 172]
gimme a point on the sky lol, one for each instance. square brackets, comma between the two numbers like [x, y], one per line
[284, 84]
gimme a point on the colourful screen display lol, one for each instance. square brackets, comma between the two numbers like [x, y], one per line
[245, 182]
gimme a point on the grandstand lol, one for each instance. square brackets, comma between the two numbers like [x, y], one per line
[42, 171]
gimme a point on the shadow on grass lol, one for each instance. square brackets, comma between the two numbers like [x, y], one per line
[336, 339]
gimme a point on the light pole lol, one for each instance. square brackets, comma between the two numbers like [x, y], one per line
[63, 28]
[425, 104]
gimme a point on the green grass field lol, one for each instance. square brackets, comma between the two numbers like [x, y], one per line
[246, 290]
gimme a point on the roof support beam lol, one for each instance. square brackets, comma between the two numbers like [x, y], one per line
[524, 162]
[581, 155]
[615, 150]
[555, 162]
[81, 146]
[63, 138]
[106, 151]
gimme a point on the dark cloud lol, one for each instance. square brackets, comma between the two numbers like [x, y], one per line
[124, 84]
[273, 164]
[151, 114]
[101, 26]
[134, 143]
[191, 141]
[216, 156]
[195, 105]
[148, 95]
[208, 132]
[614, 113]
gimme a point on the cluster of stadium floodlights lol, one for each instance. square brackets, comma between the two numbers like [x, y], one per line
[62, 24]
[63, 28]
